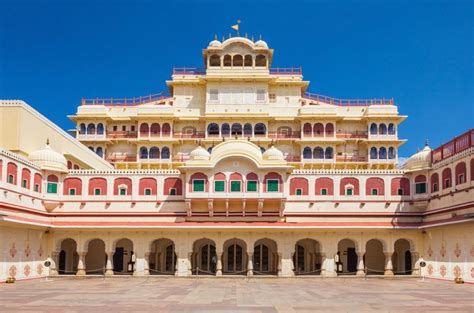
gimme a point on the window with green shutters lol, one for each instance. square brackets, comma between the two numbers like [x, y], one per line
[349, 191]
[219, 186]
[11, 179]
[37, 188]
[235, 186]
[324, 192]
[147, 192]
[272, 185]
[97, 192]
[24, 183]
[252, 186]
[299, 192]
[420, 188]
[172, 192]
[198, 185]
[375, 192]
[122, 191]
[72, 192]
[52, 188]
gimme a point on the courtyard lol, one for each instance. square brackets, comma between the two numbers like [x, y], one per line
[259, 294]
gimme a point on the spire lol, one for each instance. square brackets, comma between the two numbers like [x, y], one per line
[427, 142]
[215, 37]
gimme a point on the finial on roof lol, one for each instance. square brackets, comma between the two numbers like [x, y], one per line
[253, 39]
[215, 37]
[223, 38]
[427, 142]
[47, 141]
[230, 35]
[261, 38]
[246, 35]
[199, 143]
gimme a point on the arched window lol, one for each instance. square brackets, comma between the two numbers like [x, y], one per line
[213, 129]
[434, 182]
[260, 129]
[318, 153]
[99, 151]
[82, 129]
[284, 131]
[238, 60]
[100, 129]
[166, 129]
[307, 153]
[248, 129]
[143, 153]
[165, 153]
[329, 153]
[382, 153]
[307, 129]
[155, 129]
[373, 129]
[227, 60]
[248, 60]
[329, 129]
[236, 129]
[382, 129]
[373, 153]
[90, 129]
[446, 176]
[318, 130]
[144, 129]
[12, 173]
[154, 153]
[225, 129]
[420, 184]
[261, 60]
[391, 129]
[392, 153]
[214, 60]
[460, 173]
[52, 186]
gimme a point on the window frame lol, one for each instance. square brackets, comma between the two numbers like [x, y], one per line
[71, 191]
[323, 191]
[252, 181]
[36, 188]
[272, 181]
[172, 191]
[53, 186]
[24, 183]
[214, 92]
[122, 191]
[349, 191]
[147, 192]
[421, 190]
[235, 181]
[400, 191]
[203, 184]
[298, 192]
[461, 179]
[223, 185]
[11, 179]
[374, 192]
[97, 191]
[261, 92]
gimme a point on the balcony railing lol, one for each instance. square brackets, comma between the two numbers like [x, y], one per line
[189, 71]
[121, 158]
[344, 158]
[197, 134]
[283, 135]
[202, 71]
[453, 147]
[126, 101]
[121, 134]
[352, 134]
[286, 71]
[293, 158]
[317, 99]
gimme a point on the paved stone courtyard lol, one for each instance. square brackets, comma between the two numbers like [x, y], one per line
[235, 295]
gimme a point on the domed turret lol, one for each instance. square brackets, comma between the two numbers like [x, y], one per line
[419, 161]
[261, 44]
[273, 154]
[199, 154]
[215, 43]
[48, 159]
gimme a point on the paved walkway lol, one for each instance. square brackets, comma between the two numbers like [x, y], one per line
[235, 295]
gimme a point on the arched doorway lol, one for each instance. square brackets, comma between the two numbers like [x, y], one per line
[68, 257]
[374, 258]
[265, 257]
[235, 257]
[307, 258]
[95, 257]
[204, 257]
[124, 262]
[346, 259]
[162, 258]
[401, 258]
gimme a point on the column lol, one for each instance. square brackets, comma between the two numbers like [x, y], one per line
[146, 264]
[279, 264]
[54, 261]
[415, 259]
[287, 266]
[360, 264]
[388, 264]
[219, 263]
[183, 265]
[250, 263]
[81, 267]
[109, 266]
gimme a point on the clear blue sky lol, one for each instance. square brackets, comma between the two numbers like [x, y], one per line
[53, 53]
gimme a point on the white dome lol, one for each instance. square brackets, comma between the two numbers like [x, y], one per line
[48, 159]
[261, 44]
[273, 154]
[215, 43]
[419, 161]
[200, 154]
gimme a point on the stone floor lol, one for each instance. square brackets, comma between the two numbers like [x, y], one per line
[127, 294]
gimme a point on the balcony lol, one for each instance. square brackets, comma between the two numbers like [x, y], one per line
[293, 158]
[286, 71]
[352, 135]
[453, 147]
[315, 99]
[114, 158]
[348, 159]
[285, 135]
[159, 97]
[85, 136]
[190, 135]
[189, 71]
[122, 134]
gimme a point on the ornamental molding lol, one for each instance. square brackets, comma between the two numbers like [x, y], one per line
[18, 158]
[89, 172]
[347, 172]
[450, 160]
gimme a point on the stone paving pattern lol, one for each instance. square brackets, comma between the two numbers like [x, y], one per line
[257, 295]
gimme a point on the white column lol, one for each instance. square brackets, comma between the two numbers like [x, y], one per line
[287, 266]
[415, 259]
[360, 263]
[250, 263]
[109, 267]
[54, 263]
[183, 264]
[81, 267]
[388, 264]
[219, 263]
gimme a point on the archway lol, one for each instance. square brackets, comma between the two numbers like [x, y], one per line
[68, 257]
[124, 262]
[204, 257]
[265, 257]
[374, 258]
[401, 258]
[235, 257]
[307, 258]
[346, 259]
[162, 258]
[95, 257]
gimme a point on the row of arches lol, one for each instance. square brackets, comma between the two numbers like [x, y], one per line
[318, 153]
[236, 182]
[382, 153]
[91, 129]
[318, 130]
[447, 179]
[237, 60]
[382, 129]
[98, 150]
[236, 129]
[155, 129]
[154, 153]
[25, 178]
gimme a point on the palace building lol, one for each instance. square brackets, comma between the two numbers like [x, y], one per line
[236, 170]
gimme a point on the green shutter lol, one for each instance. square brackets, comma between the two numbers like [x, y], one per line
[148, 192]
[349, 192]
[72, 192]
[219, 186]
[24, 183]
[251, 186]
[97, 191]
[123, 191]
[324, 191]
[374, 192]
[420, 187]
[235, 186]
[272, 185]
[11, 178]
[298, 192]
[36, 188]
[52, 188]
[198, 185]
[172, 192]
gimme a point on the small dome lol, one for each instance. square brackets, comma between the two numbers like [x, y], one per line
[419, 161]
[215, 43]
[273, 154]
[199, 154]
[48, 159]
[261, 44]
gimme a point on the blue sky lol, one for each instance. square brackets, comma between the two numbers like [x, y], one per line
[53, 53]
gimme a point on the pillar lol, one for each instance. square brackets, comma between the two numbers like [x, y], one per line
[53, 270]
[219, 263]
[286, 262]
[250, 263]
[388, 264]
[109, 266]
[146, 264]
[183, 264]
[360, 264]
[81, 267]
[416, 263]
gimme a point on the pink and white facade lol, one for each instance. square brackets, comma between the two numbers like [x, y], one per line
[240, 165]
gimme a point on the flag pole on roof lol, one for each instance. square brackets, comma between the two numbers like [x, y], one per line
[237, 27]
